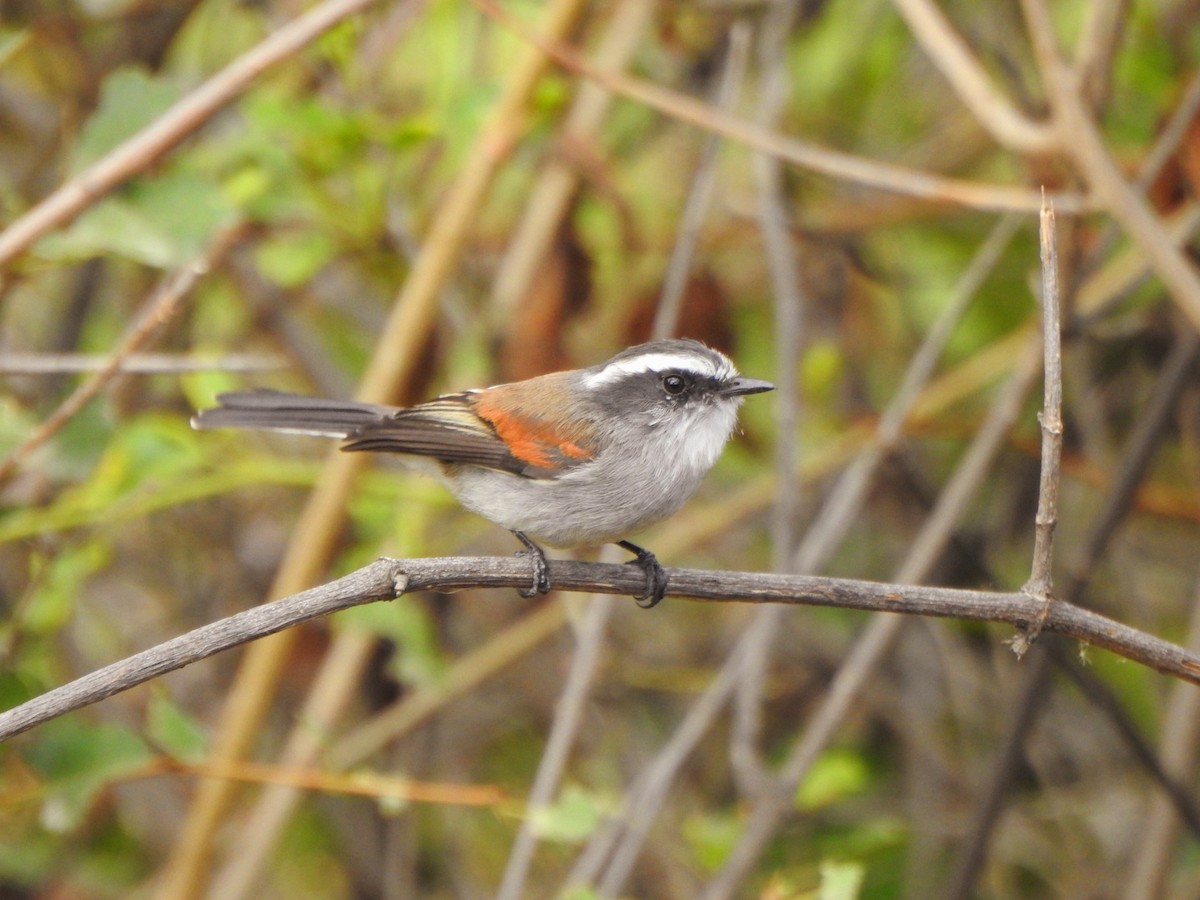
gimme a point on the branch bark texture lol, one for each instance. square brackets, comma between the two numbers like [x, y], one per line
[387, 579]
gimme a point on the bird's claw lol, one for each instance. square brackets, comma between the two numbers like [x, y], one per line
[541, 568]
[656, 575]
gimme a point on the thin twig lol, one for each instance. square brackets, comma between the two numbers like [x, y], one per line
[646, 795]
[568, 715]
[954, 59]
[1003, 767]
[877, 639]
[844, 506]
[387, 579]
[695, 208]
[1178, 790]
[1153, 421]
[355, 784]
[1041, 582]
[135, 363]
[144, 148]
[1180, 745]
[1181, 221]
[508, 646]
[1139, 449]
[1101, 172]
[341, 673]
[1168, 141]
[835, 164]
[1103, 30]
[791, 303]
[161, 308]
[394, 360]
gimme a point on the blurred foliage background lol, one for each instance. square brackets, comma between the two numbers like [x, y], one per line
[417, 199]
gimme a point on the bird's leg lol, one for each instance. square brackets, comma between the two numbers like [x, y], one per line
[656, 575]
[541, 568]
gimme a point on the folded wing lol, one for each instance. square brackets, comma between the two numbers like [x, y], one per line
[448, 429]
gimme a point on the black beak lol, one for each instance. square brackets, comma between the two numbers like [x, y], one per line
[736, 387]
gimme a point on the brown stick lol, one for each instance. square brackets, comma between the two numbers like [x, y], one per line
[1041, 584]
[387, 579]
[160, 309]
[145, 147]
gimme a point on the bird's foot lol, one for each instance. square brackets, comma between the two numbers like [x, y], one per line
[541, 568]
[656, 575]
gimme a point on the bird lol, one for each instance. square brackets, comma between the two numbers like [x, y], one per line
[581, 457]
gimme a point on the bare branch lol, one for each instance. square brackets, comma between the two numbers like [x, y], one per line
[551, 196]
[141, 150]
[135, 363]
[876, 640]
[953, 57]
[161, 308]
[568, 718]
[1098, 168]
[387, 579]
[704, 181]
[394, 361]
[1041, 584]
[1003, 767]
[832, 163]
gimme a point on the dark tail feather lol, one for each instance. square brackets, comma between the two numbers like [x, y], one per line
[279, 411]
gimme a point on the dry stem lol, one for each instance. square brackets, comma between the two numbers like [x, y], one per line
[387, 579]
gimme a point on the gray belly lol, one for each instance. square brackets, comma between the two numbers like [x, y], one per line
[573, 510]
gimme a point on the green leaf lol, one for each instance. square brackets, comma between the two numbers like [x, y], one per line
[247, 185]
[77, 760]
[52, 603]
[823, 369]
[15, 687]
[115, 226]
[173, 730]
[711, 838]
[571, 819]
[840, 881]
[215, 33]
[164, 222]
[145, 455]
[130, 99]
[836, 775]
[292, 259]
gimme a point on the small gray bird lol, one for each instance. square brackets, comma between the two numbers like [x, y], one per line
[573, 458]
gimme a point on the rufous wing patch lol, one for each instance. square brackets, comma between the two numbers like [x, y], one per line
[540, 442]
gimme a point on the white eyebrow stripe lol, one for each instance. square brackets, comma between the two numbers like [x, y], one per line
[658, 362]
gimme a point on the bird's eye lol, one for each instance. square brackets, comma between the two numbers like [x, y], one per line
[674, 384]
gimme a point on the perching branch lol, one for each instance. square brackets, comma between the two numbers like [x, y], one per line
[387, 579]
